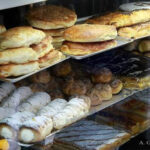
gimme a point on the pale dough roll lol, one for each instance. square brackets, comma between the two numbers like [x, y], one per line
[35, 129]
[20, 37]
[17, 97]
[9, 126]
[18, 69]
[2, 29]
[18, 55]
[90, 33]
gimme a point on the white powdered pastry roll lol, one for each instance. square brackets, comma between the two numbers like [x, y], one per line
[9, 126]
[35, 129]
[17, 97]
[5, 89]
[53, 107]
[35, 102]
[75, 109]
[5, 112]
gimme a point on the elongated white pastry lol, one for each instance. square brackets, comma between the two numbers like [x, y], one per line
[5, 89]
[17, 97]
[35, 129]
[5, 112]
[75, 109]
[35, 102]
[10, 125]
[53, 107]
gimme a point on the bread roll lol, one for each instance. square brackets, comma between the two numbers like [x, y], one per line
[20, 37]
[116, 86]
[18, 69]
[103, 75]
[2, 29]
[144, 46]
[51, 17]
[54, 32]
[9, 126]
[6, 89]
[35, 129]
[35, 102]
[18, 96]
[58, 39]
[56, 93]
[90, 33]
[6, 112]
[18, 55]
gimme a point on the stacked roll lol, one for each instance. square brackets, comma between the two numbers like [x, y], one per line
[52, 20]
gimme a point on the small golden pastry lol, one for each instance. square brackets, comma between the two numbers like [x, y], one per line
[56, 94]
[62, 69]
[104, 75]
[41, 77]
[37, 87]
[144, 46]
[4, 145]
[105, 91]
[116, 86]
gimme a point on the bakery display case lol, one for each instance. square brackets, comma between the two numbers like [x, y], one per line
[72, 78]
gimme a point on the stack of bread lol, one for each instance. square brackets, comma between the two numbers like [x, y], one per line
[24, 50]
[132, 24]
[52, 20]
[85, 39]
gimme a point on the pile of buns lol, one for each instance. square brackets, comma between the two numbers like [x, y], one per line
[30, 117]
[132, 24]
[24, 50]
[52, 20]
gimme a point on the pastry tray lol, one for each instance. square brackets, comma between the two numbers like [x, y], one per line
[120, 42]
[16, 79]
[116, 98]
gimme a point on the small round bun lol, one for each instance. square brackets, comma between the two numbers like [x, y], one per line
[116, 86]
[90, 33]
[51, 17]
[104, 75]
[20, 37]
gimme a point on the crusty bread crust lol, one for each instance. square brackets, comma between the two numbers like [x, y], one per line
[20, 37]
[90, 33]
[51, 17]
[120, 19]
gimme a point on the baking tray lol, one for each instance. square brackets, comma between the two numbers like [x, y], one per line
[16, 79]
[116, 98]
[120, 42]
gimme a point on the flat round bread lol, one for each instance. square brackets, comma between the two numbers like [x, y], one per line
[54, 32]
[79, 49]
[58, 39]
[18, 69]
[2, 29]
[20, 37]
[90, 33]
[51, 17]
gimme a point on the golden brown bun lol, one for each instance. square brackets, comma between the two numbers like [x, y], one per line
[90, 33]
[20, 37]
[116, 86]
[58, 39]
[119, 19]
[57, 45]
[105, 91]
[43, 47]
[54, 32]
[57, 93]
[104, 75]
[79, 49]
[144, 46]
[62, 69]
[18, 69]
[18, 55]
[51, 58]
[2, 29]
[51, 17]
[135, 31]
[36, 87]
[41, 77]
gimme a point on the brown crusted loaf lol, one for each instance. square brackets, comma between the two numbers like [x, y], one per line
[135, 31]
[90, 33]
[80, 49]
[119, 19]
[20, 37]
[2, 29]
[51, 17]
[18, 69]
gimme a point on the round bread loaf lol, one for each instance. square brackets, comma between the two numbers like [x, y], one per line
[20, 37]
[51, 17]
[90, 33]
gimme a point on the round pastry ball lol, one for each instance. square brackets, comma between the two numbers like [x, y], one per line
[116, 86]
[41, 77]
[104, 75]
[62, 69]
